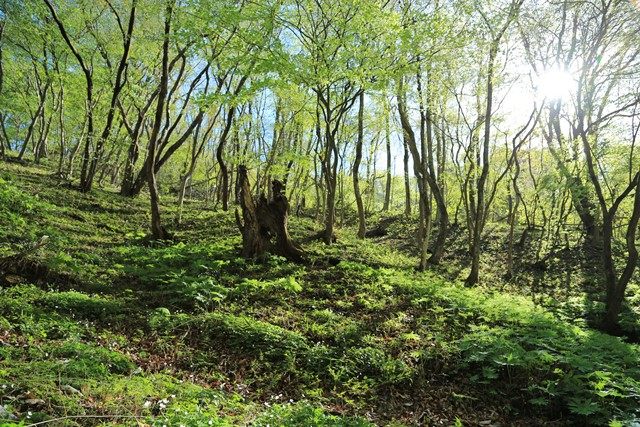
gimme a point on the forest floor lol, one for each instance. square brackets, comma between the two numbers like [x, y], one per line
[99, 326]
[556, 272]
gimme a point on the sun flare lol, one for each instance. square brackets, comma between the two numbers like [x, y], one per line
[556, 84]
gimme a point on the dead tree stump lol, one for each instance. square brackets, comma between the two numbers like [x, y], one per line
[263, 220]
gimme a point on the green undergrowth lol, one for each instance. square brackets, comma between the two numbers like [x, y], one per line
[56, 360]
[187, 332]
[18, 210]
[553, 365]
[346, 348]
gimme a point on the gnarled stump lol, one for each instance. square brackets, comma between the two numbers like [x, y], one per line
[263, 220]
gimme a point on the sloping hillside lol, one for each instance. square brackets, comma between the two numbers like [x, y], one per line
[100, 327]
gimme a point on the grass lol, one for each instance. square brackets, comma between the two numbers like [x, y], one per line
[187, 332]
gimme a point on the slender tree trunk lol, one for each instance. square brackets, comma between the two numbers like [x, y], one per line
[90, 165]
[157, 230]
[514, 203]
[371, 201]
[330, 185]
[88, 75]
[61, 134]
[184, 180]
[126, 188]
[407, 182]
[196, 149]
[387, 192]
[74, 152]
[329, 169]
[480, 207]
[86, 153]
[617, 285]
[417, 154]
[582, 202]
[162, 158]
[29, 136]
[41, 146]
[436, 191]
[224, 191]
[333, 113]
[356, 169]
[131, 185]
[5, 135]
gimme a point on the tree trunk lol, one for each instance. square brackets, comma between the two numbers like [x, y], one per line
[157, 230]
[254, 244]
[224, 171]
[330, 208]
[330, 166]
[616, 286]
[3, 131]
[92, 164]
[39, 112]
[438, 194]
[131, 186]
[74, 152]
[356, 170]
[263, 220]
[88, 75]
[407, 183]
[387, 191]
[184, 180]
[514, 203]
[478, 215]
[84, 168]
[333, 113]
[418, 170]
[61, 134]
[41, 146]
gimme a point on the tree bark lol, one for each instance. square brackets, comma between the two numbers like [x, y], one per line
[263, 220]
[617, 285]
[157, 230]
[87, 178]
[407, 182]
[61, 134]
[333, 113]
[419, 172]
[437, 191]
[356, 169]
[39, 112]
[478, 216]
[40, 151]
[224, 170]
[387, 192]
[88, 75]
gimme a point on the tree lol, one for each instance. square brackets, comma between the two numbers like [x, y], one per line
[157, 229]
[88, 75]
[596, 42]
[389, 177]
[356, 168]
[333, 47]
[90, 166]
[263, 219]
[597, 105]
[478, 211]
